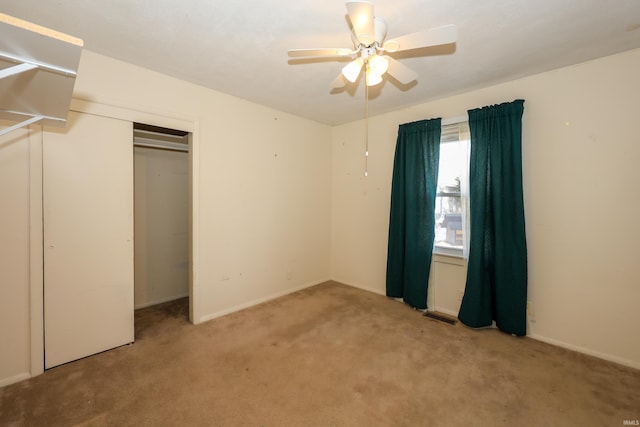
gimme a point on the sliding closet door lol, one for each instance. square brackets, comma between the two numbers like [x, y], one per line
[88, 237]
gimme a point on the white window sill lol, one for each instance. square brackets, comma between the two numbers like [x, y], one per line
[448, 251]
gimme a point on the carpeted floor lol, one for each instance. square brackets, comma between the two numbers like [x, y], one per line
[330, 355]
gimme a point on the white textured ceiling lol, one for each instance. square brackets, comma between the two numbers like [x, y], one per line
[240, 47]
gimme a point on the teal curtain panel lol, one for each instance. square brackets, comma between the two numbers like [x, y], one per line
[496, 287]
[412, 216]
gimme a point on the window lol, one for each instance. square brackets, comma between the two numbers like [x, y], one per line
[451, 196]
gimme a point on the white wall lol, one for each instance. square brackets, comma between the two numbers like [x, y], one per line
[262, 201]
[264, 177]
[14, 256]
[581, 146]
[448, 277]
[161, 225]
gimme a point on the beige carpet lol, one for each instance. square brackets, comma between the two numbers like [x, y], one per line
[330, 355]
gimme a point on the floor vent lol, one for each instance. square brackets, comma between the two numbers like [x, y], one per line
[441, 317]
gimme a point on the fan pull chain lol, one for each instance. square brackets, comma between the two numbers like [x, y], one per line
[366, 126]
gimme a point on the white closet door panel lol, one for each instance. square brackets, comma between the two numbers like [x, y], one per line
[88, 237]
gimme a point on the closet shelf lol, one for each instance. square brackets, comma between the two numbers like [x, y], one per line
[38, 68]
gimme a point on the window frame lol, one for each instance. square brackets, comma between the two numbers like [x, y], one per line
[451, 131]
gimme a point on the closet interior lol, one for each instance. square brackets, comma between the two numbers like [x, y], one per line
[161, 215]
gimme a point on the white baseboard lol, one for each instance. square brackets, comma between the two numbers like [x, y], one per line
[14, 379]
[557, 343]
[589, 352]
[257, 301]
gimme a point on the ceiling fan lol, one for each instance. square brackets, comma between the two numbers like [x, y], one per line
[368, 33]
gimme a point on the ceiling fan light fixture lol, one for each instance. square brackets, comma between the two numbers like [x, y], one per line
[351, 71]
[373, 78]
[368, 34]
[378, 65]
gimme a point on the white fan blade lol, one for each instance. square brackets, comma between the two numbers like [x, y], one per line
[400, 72]
[361, 15]
[296, 53]
[338, 82]
[432, 37]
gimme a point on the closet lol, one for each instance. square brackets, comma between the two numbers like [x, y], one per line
[116, 230]
[161, 218]
[88, 237]
[83, 282]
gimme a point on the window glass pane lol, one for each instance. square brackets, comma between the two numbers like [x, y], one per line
[449, 228]
[453, 163]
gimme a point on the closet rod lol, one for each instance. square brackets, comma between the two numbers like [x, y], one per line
[157, 146]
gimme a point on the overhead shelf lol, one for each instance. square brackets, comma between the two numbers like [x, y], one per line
[38, 69]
